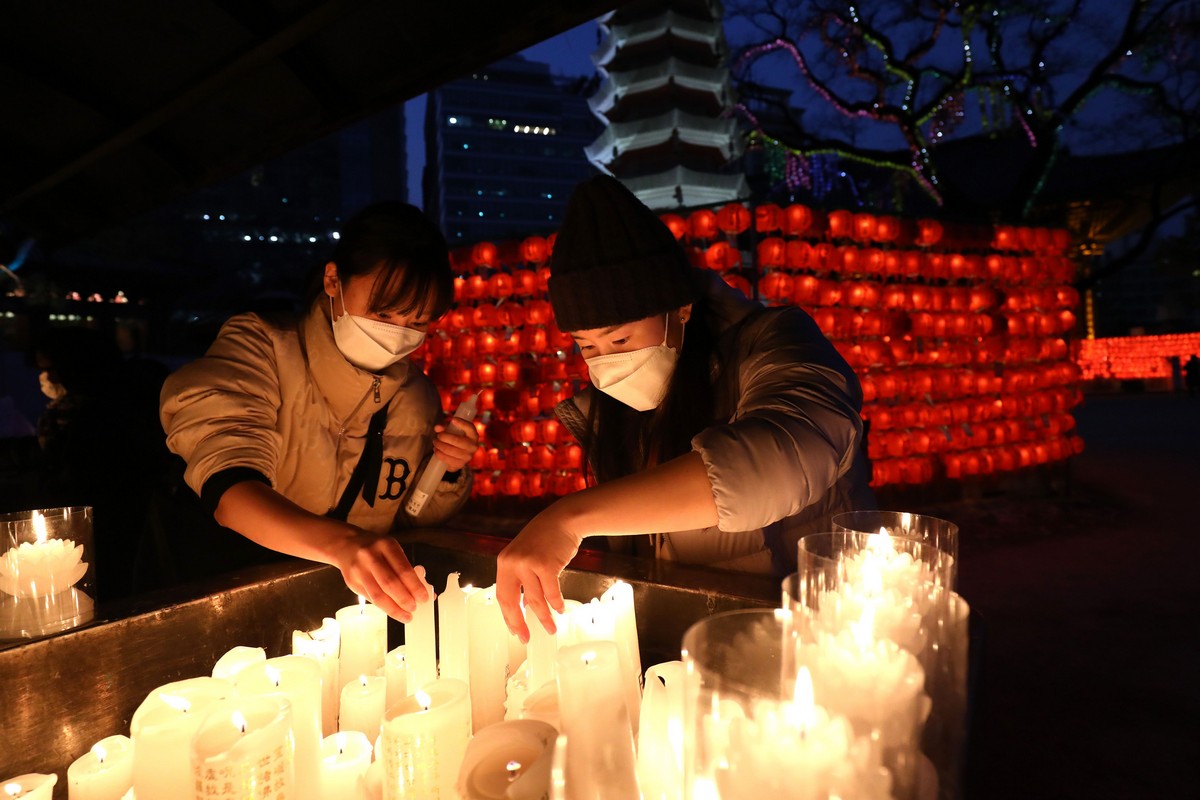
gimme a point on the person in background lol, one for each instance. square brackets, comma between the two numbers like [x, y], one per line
[716, 431]
[306, 435]
[100, 445]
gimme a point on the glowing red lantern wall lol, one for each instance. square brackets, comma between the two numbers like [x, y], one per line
[958, 334]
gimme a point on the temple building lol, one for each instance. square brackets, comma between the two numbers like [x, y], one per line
[665, 100]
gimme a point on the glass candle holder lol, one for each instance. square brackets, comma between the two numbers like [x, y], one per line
[751, 728]
[938, 533]
[47, 571]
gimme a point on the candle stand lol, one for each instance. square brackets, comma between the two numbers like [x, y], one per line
[46, 571]
[63, 692]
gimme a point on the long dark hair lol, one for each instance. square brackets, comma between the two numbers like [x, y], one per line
[408, 245]
[622, 441]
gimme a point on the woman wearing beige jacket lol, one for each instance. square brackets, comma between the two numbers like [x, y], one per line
[722, 429]
[307, 436]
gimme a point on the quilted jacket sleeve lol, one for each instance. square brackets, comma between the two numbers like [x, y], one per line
[795, 427]
[219, 411]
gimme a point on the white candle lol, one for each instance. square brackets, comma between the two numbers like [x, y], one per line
[345, 757]
[618, 601]
[488, 657]
[542, 704]
[364, 641]
[420, 639]
[161, 728]
[453, 644]
[243, 750]
[363, 704]
[395, 673]
[32, 786]
[236, 660]
[543, 650]
[424, 739]
[103, 773]
[591, 696]
[42, 567]
[565, 623]
[322, 645]
[370, 785]
[660, 732]
[298, 679]
[508, 761]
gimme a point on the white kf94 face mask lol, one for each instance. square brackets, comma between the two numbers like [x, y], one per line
[369, 343]
[638, 378]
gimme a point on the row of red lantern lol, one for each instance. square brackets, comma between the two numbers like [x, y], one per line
[951, 384]
[997, 422]
[506, 314]
[501, 285]
[527, 484]
[524, 456]
[809, 290]
[868, 355]
[509, 402]
[506, 433]
[1045, 299]
[1041, 323]
[530, 250]
[506, 374]
[522, 341]
[850, 324]
[984, 461]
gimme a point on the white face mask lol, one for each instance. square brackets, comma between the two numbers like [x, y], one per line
[370, 344]
[50, 388]
[638, 378]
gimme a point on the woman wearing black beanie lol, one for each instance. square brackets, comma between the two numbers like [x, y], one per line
[716, 431]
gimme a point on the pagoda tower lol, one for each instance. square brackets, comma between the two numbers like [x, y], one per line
[664, 98]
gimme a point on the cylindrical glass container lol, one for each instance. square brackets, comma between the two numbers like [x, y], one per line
[47, 571]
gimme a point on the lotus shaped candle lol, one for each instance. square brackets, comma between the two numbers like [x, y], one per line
[42, 567]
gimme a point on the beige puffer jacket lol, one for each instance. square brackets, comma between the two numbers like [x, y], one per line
[277, 397]
[790, 454]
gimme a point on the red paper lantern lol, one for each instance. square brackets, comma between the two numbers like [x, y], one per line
[797, 219]
[798, 254]
[864, 227]
[483, 316]
[476, 287]
[460, 288]
[721, 256]
[543, 280]
[929, 232]
[675, 223]
[524, 430]
[702, 224]
[887, 229]
[767, 218]
[484, 254]
[524, 282]
[841, 224]
[772, 252]
[805, 289]
[500, 286]
[519, 456]
[739, 283]
[733, 218]
[538, 312]
[534, 250]
[550, 430]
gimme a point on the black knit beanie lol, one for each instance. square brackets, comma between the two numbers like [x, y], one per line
[614, 260]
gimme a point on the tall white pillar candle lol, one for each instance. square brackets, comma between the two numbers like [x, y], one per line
[591, 696]
[453, 646]
[395, 673]
[542, 650]
[363, 704]
[161, 730]
[322, 645]
[345, 757]
[489, 657]
[618, 600]
[103, 773]
[244, 750]
[660, 733]
[424, 740]
[298, 679]
[420, 640]
[364, 641]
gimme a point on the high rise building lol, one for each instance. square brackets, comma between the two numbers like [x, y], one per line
[665, 101]
[504, 147]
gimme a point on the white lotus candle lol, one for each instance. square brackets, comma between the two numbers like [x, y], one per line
[424, 740]
[395, 673]
[244, 750]
[488, 657]
[43, 567]
[345, 757]
[322, 645]
[297, 679]
[103, 773]
[420, 640]
[363, 704]
[32, 786]
[161, 728]
[364, 640]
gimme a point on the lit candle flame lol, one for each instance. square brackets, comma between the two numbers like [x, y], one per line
[864, 629]
[176, 702]
[341, 742]
[423, 700]
[363, 679]
[588, 658]
[882, 543]
[362, 604]
[513, 768]
[805, 708]
[239, 721]
[13, 789]
[100, 752]
[39, 527]
[273, 675]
